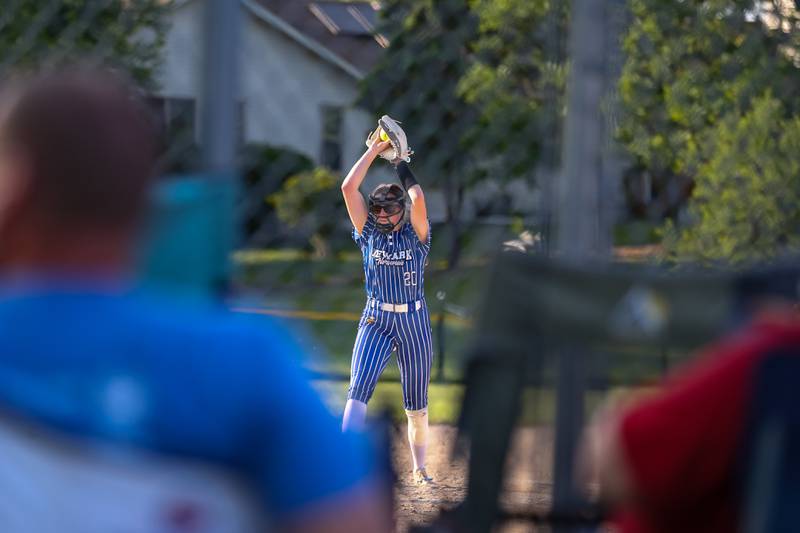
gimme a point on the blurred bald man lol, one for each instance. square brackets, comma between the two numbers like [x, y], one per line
[119, 409]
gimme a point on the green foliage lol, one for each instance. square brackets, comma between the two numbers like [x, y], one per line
[746, 202]
[516, 79]
[268, 166]
[688, 65]
[477, 83]
[416, 81]
[471, 78]
[311, 203]
[126, 34]
[264, 169]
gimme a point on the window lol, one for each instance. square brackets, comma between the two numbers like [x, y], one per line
[331, 155]
[175, 115]
[176, 118]
[176, 122]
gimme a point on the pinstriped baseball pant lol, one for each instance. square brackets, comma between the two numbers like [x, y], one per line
[379, 333]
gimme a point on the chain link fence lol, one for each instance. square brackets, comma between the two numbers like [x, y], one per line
[481, 88]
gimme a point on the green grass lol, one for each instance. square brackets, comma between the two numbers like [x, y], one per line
[444, 402]
[336, 286]
[636, 232]
[291, 279]
[265, 256]
[262, 256]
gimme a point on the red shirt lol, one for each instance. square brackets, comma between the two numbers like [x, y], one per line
[681, 445]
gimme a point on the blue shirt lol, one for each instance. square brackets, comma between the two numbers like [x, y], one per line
[142, 371]
[394, 263]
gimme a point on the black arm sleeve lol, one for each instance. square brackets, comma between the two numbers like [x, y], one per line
[405, 175]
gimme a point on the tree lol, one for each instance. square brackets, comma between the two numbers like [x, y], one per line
[746, 202]
[516, 79]
[312, 203]
[264, 170]
[417, 82]
[688, 65]
[126, 34]
[477, 83]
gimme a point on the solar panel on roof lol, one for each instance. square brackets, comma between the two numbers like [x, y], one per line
[365, 14]
[341, 18]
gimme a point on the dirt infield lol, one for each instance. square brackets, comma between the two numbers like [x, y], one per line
[528, 484]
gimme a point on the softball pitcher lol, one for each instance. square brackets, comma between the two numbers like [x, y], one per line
[395, 240]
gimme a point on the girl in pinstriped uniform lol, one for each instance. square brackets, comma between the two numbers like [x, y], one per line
[395, 249]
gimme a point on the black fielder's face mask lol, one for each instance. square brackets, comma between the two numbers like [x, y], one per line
[384, 205]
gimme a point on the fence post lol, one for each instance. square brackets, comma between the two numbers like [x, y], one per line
[218, 123]
[218, 118]
[440, 295]
[582, 229]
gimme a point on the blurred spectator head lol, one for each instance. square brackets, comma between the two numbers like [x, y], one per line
[77, 152]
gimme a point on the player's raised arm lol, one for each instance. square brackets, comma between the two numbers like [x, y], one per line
[419, 212]
[353, 199]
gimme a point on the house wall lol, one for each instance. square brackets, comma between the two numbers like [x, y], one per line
[283, 85]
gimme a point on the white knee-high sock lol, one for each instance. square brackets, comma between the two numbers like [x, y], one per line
[355, 416]
[418, 435]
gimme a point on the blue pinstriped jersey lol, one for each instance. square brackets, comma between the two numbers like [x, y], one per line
[394, 263]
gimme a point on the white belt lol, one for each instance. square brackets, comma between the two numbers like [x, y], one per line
[395, 308]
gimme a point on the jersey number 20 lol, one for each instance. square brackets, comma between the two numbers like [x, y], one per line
[410, 278]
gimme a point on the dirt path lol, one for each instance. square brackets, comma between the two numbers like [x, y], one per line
[528, 484]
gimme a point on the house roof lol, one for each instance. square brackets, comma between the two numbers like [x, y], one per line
[345, 29]
[313, 25]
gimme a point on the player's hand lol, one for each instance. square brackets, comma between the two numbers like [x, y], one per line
[379, 146]
[375, 144]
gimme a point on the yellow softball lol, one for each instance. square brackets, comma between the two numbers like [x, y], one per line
[383, 136]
